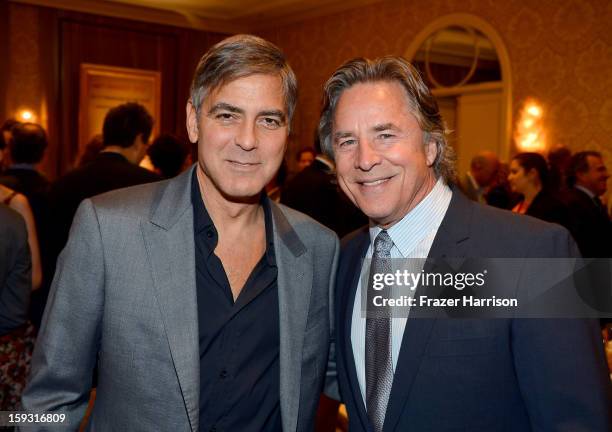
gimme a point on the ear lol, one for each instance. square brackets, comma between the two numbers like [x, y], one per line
[431, 152]
[192, 122]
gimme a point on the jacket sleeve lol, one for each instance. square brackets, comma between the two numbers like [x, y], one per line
[67, 345]
[560, 363]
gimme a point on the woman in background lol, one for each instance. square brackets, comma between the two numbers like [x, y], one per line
[529, 176]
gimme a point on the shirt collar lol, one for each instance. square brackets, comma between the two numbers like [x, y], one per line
[203, 222]
[586, 191]
[420, 221]
[330, 165]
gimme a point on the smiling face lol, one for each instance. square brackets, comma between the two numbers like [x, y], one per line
[241, 133]
[382, 163]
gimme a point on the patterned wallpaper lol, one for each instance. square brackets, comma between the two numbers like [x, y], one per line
[560, 54]
[24, 71]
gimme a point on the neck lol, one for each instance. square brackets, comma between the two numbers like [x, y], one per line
[225, 213]
[530, 194]
[127, 152]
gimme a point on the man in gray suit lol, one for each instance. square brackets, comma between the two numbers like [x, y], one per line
[198, 296]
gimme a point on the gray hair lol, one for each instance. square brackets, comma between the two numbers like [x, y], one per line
[422, 104]
[240, 56]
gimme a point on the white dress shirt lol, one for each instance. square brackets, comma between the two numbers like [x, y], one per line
[412, 237]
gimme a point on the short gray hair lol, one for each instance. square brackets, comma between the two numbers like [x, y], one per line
[422, 104]
[240, 56]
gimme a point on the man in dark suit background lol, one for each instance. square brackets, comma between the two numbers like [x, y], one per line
[591, 227]
[383, 127]
[314, 191]
[126, 131]
[26, 149]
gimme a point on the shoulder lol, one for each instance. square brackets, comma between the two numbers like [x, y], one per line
[573, 197]
[20, 203]
[506, 233]
[130, 201]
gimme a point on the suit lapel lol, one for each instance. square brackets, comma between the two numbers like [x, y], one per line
[170, 247]
[348, 301]
[295, 269]
[450, 241]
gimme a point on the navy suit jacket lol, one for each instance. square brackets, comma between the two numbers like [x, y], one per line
[482, 374]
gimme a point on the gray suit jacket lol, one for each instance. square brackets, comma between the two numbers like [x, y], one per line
[125, 292]
[15, 270]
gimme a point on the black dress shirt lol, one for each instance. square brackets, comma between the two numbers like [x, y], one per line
[239, 341]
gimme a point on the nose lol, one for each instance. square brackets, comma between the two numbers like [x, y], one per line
[246, 138]
[367, 157]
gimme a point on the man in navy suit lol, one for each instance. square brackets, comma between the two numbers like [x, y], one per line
[381, 124]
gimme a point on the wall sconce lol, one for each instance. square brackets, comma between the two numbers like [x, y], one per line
[26, 115]
[529, 134]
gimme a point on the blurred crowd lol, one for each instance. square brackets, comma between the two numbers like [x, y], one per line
[563, 188]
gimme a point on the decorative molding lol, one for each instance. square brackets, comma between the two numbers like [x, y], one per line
[240, 18]
[175, 18]
[464, 19]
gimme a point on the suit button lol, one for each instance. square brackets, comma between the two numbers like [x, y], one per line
[210, 234]
[223, 374]
[213, 429]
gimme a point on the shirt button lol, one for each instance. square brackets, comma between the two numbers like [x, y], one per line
[223, 374]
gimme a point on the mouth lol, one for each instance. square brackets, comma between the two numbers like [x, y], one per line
[240, 164]
[374, 182]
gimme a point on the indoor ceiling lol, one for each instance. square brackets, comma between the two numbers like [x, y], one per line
[228, 16]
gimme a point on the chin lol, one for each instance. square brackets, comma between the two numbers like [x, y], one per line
[242, 192]
[378, 215]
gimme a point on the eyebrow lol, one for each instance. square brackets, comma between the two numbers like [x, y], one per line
[375, 128]
[339, 135]
[384, 127]
[222, 106]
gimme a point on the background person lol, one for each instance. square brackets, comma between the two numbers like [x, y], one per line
[529, 176]
[16, 337]
[169, 155]
[591, 226]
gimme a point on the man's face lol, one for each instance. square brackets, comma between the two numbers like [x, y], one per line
[241, 133]
[381, 161]
[595, 178]
[306, 159]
